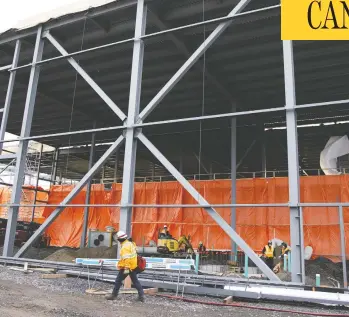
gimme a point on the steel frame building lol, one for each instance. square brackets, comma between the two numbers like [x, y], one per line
[133, 121]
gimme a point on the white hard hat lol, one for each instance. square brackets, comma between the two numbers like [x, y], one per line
[165, 226]
[121, 235]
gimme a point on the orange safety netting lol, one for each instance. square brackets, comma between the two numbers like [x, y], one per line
[27, 198]
[256, 225]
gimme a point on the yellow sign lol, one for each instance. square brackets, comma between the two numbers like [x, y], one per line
[315, 19]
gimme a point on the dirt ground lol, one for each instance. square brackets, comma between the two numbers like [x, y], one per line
[31, 296]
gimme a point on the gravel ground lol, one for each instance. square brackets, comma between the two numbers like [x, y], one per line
[29, 295]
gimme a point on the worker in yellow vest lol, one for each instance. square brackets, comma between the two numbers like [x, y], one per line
[269, 254]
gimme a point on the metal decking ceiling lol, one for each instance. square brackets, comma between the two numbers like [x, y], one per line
[246, 60]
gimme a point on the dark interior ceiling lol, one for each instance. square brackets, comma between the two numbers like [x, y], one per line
[246, 61]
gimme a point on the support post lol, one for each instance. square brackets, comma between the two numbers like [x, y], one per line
[263, 150]
[88, 191]
[23, 146]
[37, 182]
[233, 150]
[296, 224]
[54, 166]
[114, 147]
[9, 94]
[344, 258]
[212, 212]
[116, 164]
[133, 112]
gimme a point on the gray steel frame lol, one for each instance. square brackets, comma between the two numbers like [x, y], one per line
[134, 122]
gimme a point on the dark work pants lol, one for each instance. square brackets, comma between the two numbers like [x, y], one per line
[269, 262]
[121, 276]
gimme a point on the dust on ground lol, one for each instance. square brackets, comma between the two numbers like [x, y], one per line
[30, 296]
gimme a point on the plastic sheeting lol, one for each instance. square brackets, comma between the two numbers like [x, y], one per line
[255, 224]
[27, 198]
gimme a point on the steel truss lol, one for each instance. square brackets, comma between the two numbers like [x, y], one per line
[133, 122]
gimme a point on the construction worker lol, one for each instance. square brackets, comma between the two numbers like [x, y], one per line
[201, 247]
[165, 230]
[285, 249]
[269, 253]
[127, 266]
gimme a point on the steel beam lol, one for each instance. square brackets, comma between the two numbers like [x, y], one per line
[37, 182]
[233, 165]
[342, 237]
[88, 191]
[212, 212]
[133, 111]
[11, 83]
[54, 166]
[191, 61]
[293, 165]
[248, 150]
[23, 146]
[96, 167]
[87, 78]
[185, 51]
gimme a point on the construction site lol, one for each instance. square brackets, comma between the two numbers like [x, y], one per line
[219, 148]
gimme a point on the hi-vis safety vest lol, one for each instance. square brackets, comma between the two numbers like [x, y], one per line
[128, 256]
[269, 251]
[284, 250]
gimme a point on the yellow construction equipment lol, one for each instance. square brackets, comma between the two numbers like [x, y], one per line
[167, 244]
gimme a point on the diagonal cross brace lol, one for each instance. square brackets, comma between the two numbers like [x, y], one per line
[213, 213]
[191, 61]
[112, 149]
[87, 77]
[185, 51]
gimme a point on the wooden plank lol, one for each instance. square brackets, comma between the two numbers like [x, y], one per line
[19, 269]
[228, 300]
[151, 291]
[127, 282]
[53, 276]
[44, 270]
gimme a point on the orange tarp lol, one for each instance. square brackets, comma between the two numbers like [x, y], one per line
[27, 198]
[255, 224]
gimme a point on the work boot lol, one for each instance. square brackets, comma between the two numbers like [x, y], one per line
[141, 299]
[111, 297]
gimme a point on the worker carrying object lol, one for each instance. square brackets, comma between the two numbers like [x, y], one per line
[269, 254]
[127, 265]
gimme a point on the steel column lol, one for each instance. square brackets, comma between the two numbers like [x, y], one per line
[54, 166]
[192, 60]
[87, 78]
[96, 167]
[263, 150]
[133, 111]
[9, 94]
[344, 257]
[116, 164]
[212, 212]
[88, 191]
[293, 165]
[233, 149]
[37, 182]
[23, 146]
